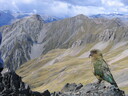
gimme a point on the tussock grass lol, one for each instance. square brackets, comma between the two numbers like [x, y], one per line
[69, 69]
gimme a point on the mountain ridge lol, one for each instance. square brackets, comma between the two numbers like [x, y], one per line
[61, 47]
[8, 17]
[82, 28]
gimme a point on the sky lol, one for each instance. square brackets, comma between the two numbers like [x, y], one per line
[64, 8]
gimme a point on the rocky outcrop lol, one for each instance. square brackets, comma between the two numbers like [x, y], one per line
[12, 85]
[89, 90]
[18, 39]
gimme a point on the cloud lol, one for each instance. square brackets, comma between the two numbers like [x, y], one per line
[112, 3]
[115, 6]
[27, 1]
[34, 11]
[90, 10]
[83, 2]
[125, 2]
[123, 9]
[64, 8]
[23, 1]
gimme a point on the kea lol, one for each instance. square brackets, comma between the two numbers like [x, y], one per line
[101, 69]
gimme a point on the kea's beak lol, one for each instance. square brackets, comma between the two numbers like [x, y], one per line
[90, 55]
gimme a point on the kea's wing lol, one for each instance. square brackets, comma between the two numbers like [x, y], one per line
[105, 67]
[107, 74]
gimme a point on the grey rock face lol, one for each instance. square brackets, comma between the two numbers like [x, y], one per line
[30, 37]
[18, 39]
[12, 85]
[89, 90]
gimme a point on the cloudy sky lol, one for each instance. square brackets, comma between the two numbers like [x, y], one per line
[66, 7]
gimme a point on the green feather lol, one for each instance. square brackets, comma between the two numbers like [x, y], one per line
[101, 69]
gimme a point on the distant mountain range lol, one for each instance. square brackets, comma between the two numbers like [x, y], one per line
[7, 17]
[112, 15]
[107, 15]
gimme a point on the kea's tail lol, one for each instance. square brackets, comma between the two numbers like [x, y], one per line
[109, 78]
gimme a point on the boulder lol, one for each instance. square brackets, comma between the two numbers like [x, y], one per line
[11, 85]
[92, 89]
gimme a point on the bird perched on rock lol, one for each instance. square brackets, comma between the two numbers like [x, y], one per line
[101, 69]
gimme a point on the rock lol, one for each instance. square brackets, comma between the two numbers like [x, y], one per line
[12, 85]
[79, 86]
[93, 89]
[46, 93]
[71, 87]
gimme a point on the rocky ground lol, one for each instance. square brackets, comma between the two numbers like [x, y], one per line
[93, 89]
[12, 85]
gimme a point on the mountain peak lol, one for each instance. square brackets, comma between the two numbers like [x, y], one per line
[118, 21]
[36, 16]
[29, 19]
[81, 16]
